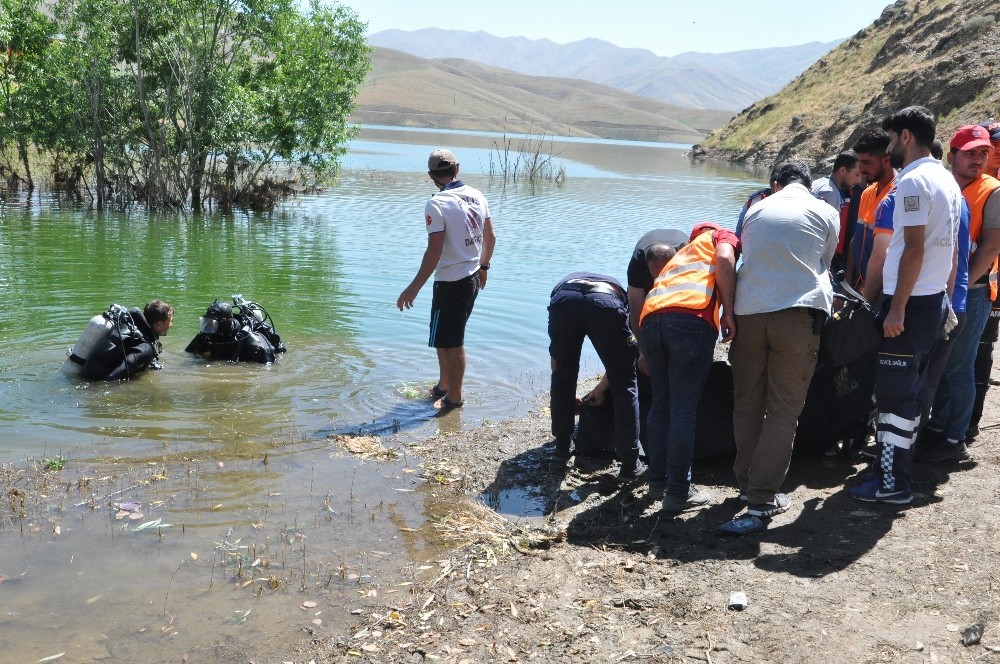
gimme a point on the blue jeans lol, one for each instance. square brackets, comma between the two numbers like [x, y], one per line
[604, 319]
[900, 381]
[956, 393]
[678, 348]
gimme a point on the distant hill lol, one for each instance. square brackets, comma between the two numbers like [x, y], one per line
[938, 53]
[405, 90]
[729, 81]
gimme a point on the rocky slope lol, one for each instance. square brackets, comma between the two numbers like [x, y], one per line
[938, 53]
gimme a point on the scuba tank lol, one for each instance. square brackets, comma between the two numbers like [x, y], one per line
[97, 329]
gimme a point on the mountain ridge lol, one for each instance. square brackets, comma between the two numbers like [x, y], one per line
[686, 81]
[406, 90]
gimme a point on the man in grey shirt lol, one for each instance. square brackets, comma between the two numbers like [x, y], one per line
[783, 293]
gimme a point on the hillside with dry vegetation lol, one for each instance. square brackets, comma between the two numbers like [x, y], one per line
[404, 90]
[941, 54]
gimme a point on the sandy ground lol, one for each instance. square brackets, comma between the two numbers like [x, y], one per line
[606, 577]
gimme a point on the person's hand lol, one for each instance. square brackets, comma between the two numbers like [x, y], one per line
[594, 398]
[727, 326]
[893, 324]
[643, 367]
[482, 278]
[950, 322]
[407, 297]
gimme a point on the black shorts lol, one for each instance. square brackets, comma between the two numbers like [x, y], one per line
[450, 309]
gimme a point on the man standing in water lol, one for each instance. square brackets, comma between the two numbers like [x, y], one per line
[460, 243]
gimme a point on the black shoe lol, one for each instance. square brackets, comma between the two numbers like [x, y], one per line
[563, 449]
[780, 503]
[943, 452]
[629, 475]
[972, 434]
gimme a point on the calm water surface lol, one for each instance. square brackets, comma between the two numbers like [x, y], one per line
[328, 268]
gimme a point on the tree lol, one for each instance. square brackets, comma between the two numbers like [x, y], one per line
[25, 49]
[179, 101]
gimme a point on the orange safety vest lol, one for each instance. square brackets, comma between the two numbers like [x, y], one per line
[976, 193]
[687, 281]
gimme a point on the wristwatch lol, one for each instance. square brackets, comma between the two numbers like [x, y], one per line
[484, 268]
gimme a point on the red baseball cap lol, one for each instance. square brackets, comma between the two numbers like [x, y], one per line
[971, 137]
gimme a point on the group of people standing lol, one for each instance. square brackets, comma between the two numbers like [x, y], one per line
[923, 250]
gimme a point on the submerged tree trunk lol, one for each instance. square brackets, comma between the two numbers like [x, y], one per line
[22, 152]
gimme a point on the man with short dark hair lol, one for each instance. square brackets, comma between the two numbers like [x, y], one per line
[919, 263]
[846, 173]
[873, 163]
[783, 294]
[841, 190]
[132, 344]
[460, 242]
[640, 281]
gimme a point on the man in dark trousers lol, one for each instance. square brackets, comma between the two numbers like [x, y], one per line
[594, 306]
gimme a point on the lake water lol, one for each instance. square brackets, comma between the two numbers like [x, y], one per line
[328, 267]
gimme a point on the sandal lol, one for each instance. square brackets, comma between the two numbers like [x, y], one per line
[437, 393]
[444, 404]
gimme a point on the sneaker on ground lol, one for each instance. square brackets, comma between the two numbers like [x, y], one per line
[627, 475]
[873, 492]
[780, 503]
[943, 451]
[694, 498]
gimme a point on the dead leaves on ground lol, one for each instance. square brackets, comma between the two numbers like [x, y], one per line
[365, 447]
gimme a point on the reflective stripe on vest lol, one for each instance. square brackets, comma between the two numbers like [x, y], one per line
[687, 281]
[976, 194]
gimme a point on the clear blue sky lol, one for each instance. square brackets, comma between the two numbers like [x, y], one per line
[666, 27]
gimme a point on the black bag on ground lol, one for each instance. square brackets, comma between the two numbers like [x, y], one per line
[595, 432]
[852, 331]
[838, 405]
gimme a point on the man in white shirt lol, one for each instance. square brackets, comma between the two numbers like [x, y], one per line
[460, 243]
[917, 269]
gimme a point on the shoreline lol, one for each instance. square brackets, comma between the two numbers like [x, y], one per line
[604, 576]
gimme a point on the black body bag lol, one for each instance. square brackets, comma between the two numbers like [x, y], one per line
[852, 331]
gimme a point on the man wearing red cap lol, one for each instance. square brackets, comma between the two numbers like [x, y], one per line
[955, 397]
[460, 243]
[678, 328]
[984, 356]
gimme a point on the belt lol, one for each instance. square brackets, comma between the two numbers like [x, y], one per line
[585, 287]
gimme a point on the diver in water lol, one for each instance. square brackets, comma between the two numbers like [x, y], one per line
[121, 342]
[241, 332]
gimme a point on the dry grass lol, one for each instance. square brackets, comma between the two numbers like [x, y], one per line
[472, 522]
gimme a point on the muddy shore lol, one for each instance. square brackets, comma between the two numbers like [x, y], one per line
[605, 576]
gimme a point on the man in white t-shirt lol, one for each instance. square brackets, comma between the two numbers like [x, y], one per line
[917, 269]
[460, 243]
